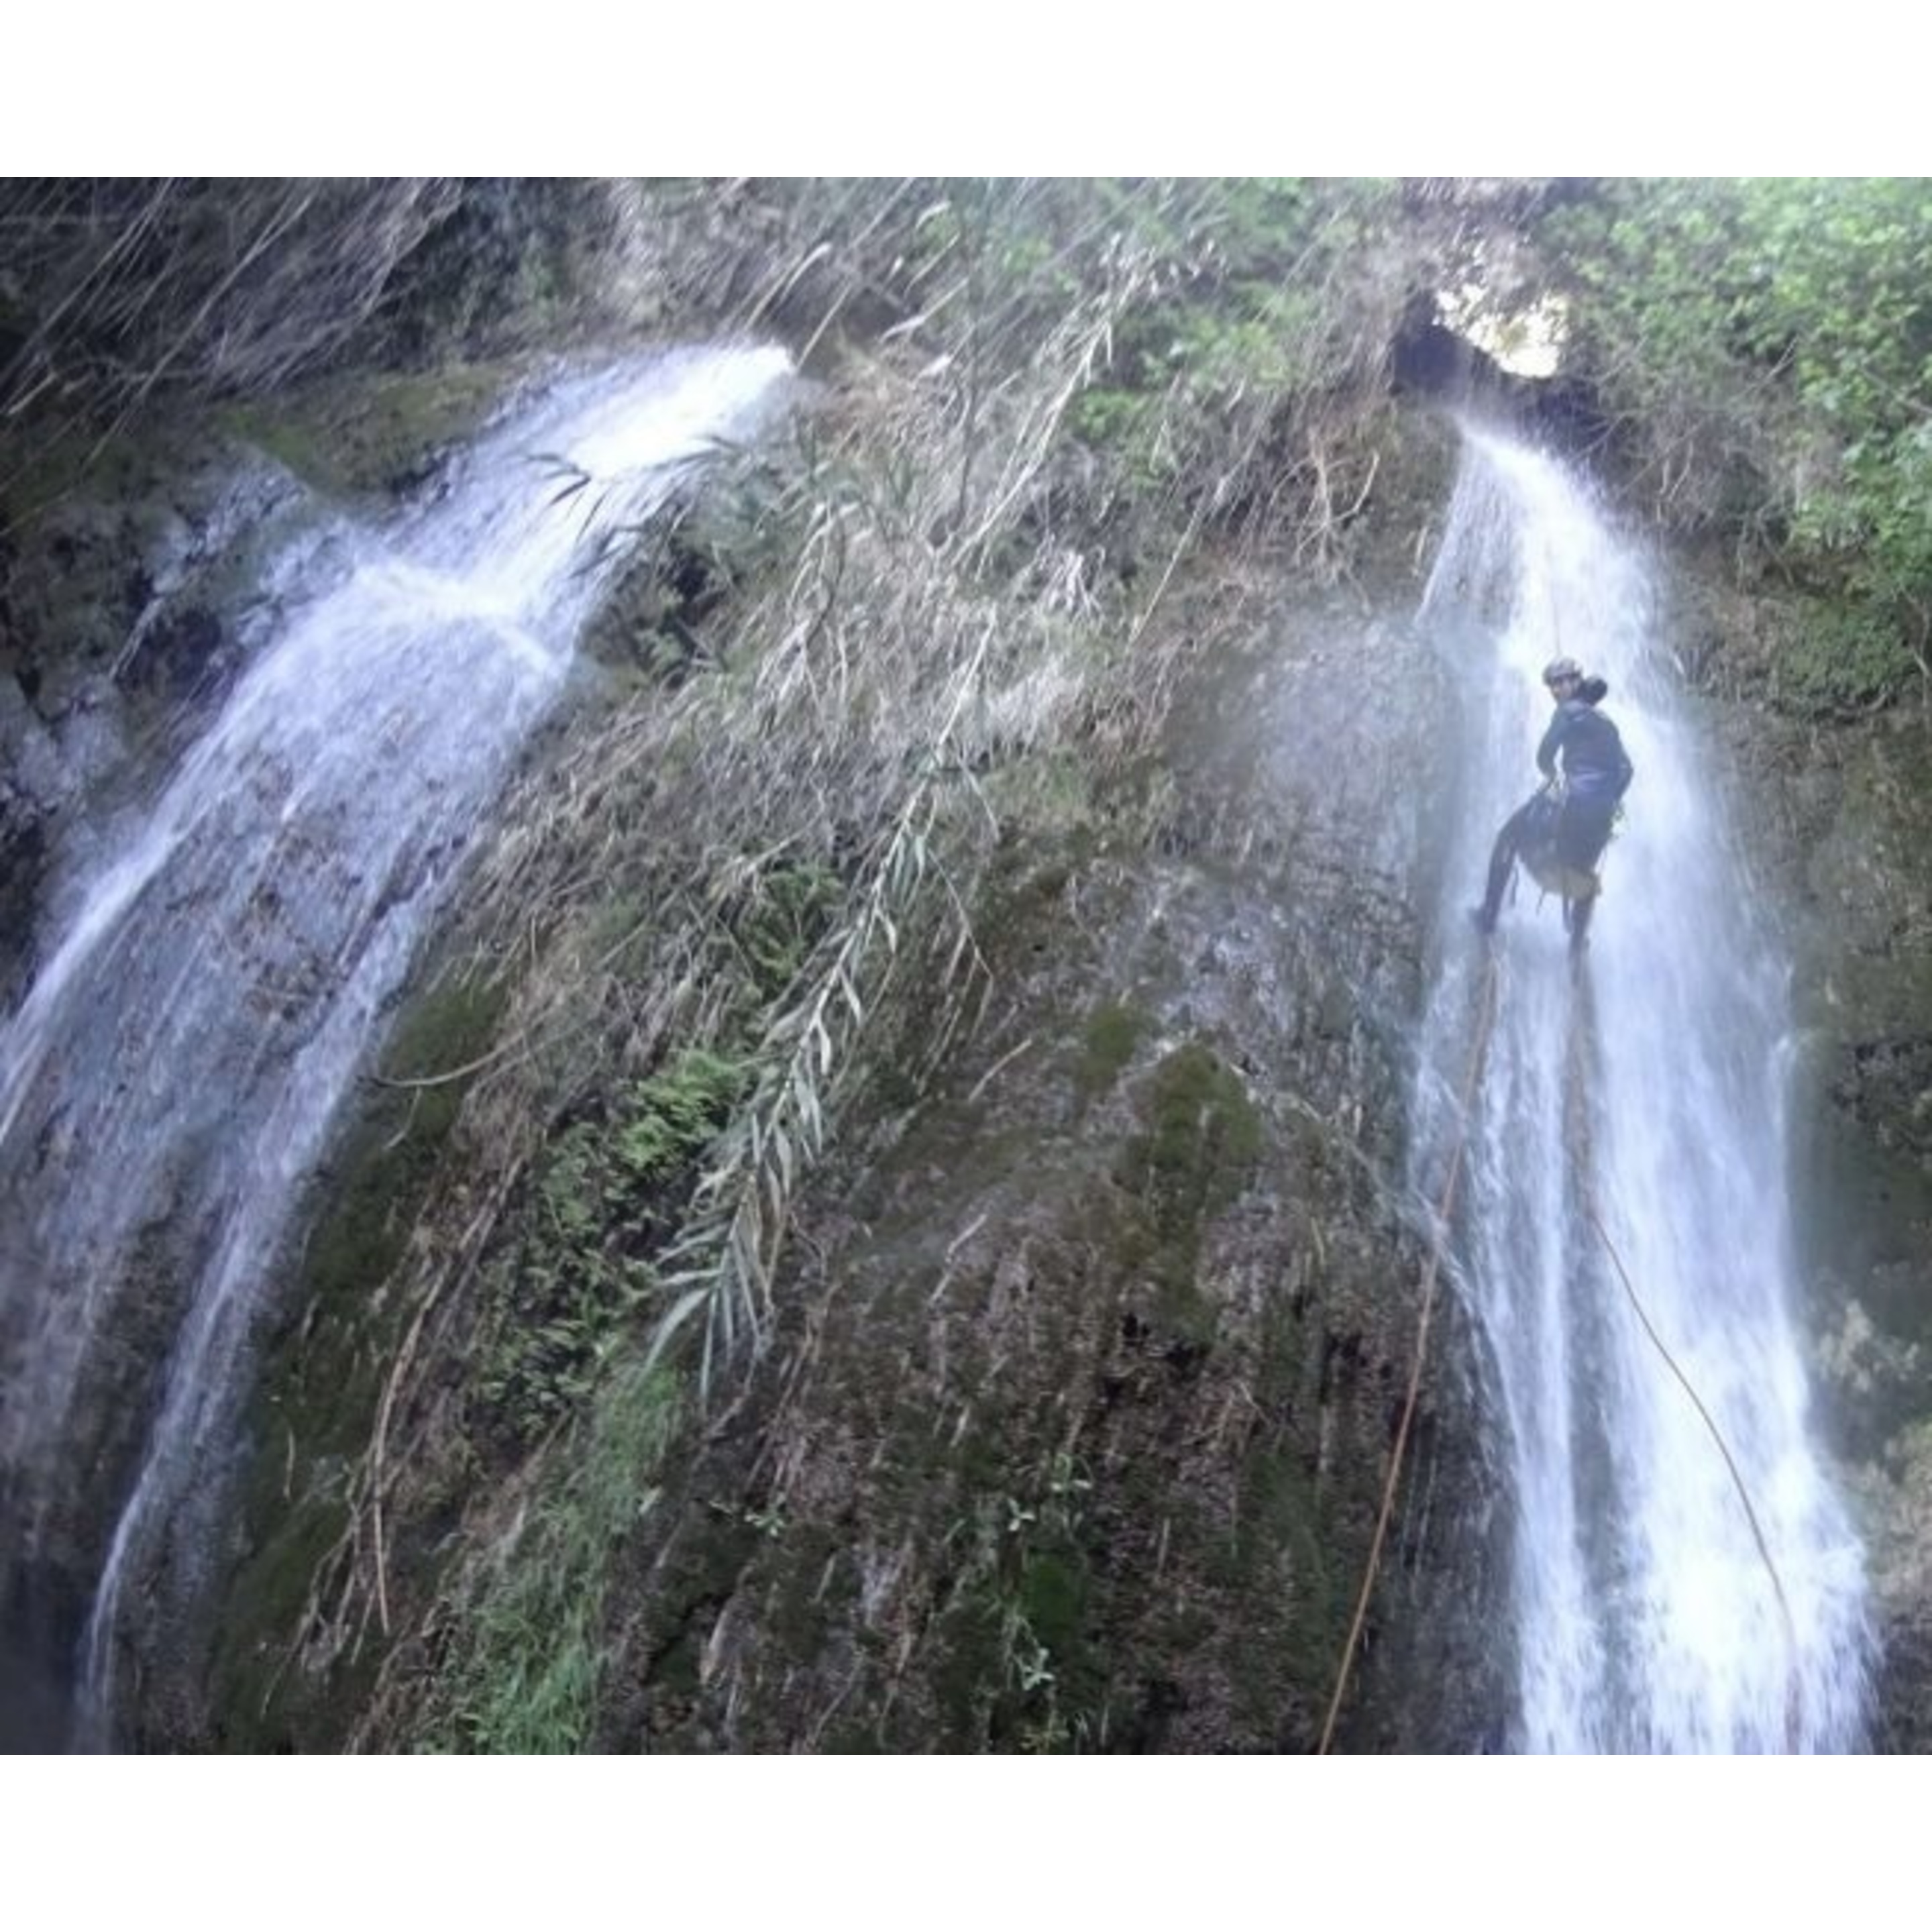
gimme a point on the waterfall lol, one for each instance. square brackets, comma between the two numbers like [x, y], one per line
[1652, 1083]
[172, 1074]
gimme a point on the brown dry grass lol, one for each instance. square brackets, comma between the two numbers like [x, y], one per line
[943, 606]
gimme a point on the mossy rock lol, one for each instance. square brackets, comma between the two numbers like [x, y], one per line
[1201, 1139]
[559, 1298]
[361, 435]
[1107, 1046]
[322, 1376]
[1832, 659]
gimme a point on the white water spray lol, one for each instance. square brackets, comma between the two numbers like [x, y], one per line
[172, 1076]
[1652, 1082]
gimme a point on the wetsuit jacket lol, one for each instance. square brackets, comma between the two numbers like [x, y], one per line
[1594, 763]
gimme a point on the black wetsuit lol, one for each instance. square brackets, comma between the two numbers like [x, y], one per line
[1596, 772]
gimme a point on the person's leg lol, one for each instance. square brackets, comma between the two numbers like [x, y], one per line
[1502, 862]
[1578, 911]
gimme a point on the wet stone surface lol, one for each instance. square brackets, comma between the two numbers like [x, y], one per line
[1076, 1430]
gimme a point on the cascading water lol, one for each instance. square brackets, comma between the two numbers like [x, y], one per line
[1649, 1088]
[172, 1074]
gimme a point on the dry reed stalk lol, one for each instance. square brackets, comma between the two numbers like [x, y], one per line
[937, 616]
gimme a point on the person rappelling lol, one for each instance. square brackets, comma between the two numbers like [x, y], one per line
[1560, 831]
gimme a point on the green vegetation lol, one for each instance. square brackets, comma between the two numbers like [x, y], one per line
[348, 435]
[1019, 1668]
[1201, 1138]
[1112, 1033]
[527, 1676]
[323, 1380]
[611, 1189]
[1249, 384]
[378, 1183]
[790, 906]
[1766, 347]
[567, 1310]
[929, 616]
[1832, 658]
[1048, 792]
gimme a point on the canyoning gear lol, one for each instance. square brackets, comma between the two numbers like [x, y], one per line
[1558, 840]
[1529, 834]
[1583, 827]
[1560, 832]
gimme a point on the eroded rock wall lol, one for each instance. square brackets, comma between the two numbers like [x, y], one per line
[1837, 810]
[1075, 1430]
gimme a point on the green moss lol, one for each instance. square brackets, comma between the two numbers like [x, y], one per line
[1053, 1597]
[1017, 1659]
[1112, 1033]
[316, 1398]
[384, 1169]
[892, 1089]
[606, 1194]
[696, 1576]
[1044, 793]
[1295, 1613]
[260, 1702]
[528, 1659]
[1277, 1534]
[1835, 657]
[69, 460]
[817, 1582]
[969, 1651]
[1200, 1138]
[352, 435]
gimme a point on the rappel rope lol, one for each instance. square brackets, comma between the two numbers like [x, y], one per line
[1579, 1153]
[1486, 1020]
[1794, 1697]
[1472, 1080]
[1437, 1240]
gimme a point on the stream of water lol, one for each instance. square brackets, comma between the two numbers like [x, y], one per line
[1652, 1082]
[172, 1076]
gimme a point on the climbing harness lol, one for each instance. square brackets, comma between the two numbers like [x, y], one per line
[1537, 854]
[1577, 1137]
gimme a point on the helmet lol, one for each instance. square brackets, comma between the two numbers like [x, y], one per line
[1558, 668]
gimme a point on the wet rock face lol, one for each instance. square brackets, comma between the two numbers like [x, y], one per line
[183, 654]
[1076, 1433]
[23, 858]
[1895, 1493]
[135, 591]
[1844, 833]
[1095, 1333]
[126, 613]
